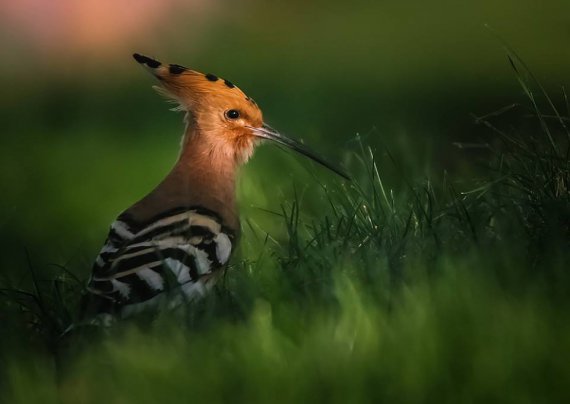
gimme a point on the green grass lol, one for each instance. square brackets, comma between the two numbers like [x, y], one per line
[435, 289]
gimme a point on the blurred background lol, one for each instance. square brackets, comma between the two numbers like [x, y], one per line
[84, 136]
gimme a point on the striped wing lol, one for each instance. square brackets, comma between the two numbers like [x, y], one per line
[179, 250]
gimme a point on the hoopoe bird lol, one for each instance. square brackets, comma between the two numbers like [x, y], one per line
[181, 235]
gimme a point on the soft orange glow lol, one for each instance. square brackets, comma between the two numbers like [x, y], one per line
[90, 27]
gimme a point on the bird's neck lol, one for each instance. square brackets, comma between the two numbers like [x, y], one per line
[206, 174]
[203, 176]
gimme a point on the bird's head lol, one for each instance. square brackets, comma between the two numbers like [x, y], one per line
[226, 118]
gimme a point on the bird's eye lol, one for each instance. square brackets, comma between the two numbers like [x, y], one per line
[232, 114]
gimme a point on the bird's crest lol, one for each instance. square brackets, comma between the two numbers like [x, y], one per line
[193, 90]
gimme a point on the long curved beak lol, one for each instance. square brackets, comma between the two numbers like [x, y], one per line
[267, 132]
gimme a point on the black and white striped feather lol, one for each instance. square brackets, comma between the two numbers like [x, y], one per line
[177, 250]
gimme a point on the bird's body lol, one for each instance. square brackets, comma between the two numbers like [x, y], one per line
[179, 237]
[186, 246]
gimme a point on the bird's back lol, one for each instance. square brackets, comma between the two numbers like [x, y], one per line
[176, 253]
